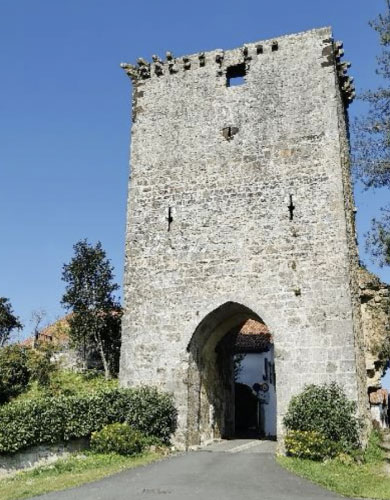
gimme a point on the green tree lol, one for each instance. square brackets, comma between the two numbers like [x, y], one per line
[8, 321]
[14, 371]
[371, 142]
[89, 295]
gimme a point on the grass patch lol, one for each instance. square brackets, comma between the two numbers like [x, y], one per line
[68, 473]
[345, 476]
[68, 383]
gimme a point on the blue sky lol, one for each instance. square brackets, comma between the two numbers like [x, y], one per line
[65, 115]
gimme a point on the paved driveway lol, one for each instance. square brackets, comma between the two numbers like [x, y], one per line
[229, 470]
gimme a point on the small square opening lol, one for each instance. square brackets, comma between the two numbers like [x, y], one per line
[235, 75]
[259, 49]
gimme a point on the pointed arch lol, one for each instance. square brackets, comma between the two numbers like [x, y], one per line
[223, 318]
[210, 380]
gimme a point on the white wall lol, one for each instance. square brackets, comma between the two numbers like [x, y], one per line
[253, 371]
[379, 413]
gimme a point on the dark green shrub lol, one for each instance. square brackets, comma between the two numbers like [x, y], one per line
[61, 418]
[14, 372]
[19, 365]
[148, 441]
[310, 444]
[117, 438]
[325, 409]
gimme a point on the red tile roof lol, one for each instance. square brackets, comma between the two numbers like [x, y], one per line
[252, 336]
[379, 397]
[57, 332]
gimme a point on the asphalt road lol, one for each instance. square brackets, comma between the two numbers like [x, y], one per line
[230, 470]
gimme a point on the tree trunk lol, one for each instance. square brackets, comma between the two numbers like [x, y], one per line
[36, 337]
[107, 372]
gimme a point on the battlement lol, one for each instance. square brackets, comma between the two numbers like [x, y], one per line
[242, 57]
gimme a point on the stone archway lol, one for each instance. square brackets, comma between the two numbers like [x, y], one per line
[211, 402]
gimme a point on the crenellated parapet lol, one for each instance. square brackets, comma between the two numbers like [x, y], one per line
[171, 65]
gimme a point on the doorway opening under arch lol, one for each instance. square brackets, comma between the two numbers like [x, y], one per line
[231, 377]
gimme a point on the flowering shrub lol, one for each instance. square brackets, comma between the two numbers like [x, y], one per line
[325, 410]
[310, 444]
[117, 438]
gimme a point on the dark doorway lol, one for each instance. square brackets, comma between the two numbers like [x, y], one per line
[246, 406]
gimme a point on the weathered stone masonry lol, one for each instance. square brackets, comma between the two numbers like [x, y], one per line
[240, 206]
[375, 307]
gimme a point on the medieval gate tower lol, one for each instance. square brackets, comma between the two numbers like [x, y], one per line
[240, 207]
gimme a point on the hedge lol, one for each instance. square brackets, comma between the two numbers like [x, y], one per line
[61, 418]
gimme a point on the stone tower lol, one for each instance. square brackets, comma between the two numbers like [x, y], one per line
[240, 207]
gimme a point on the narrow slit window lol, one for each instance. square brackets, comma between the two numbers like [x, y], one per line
[235, 75]
[169, 218]
[291, 207]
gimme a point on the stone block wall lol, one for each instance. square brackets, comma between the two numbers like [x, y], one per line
[241, 195]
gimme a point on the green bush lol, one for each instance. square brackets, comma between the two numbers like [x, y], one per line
[61, 418]
[20, 365]
[14, 372]
[70, 383]
[148, 441]
[326, 410]
[310, 444]
[117, 438]
[41, 366]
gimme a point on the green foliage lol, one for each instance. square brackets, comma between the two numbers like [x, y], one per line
[371, 142]
[149, 441]
[41, 366]
[14, 372]
[326, 410]
[378, 239]
[96, 314]
[117, 438]
[237, 365]
[374, 454]
[60, 418]
[372, 131]
[310, 444]
[21, 366]
[360, 476]
[68, 383]
[8, 321]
